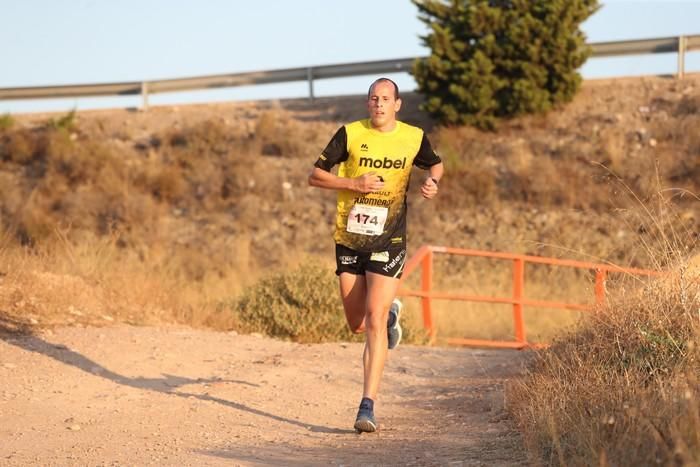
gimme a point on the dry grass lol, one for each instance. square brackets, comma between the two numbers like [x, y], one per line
[97, 282]
[623, 388]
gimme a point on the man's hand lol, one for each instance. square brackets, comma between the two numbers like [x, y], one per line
[367, 183]
[429, 188]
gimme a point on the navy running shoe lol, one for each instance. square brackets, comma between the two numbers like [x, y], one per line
[365, 423]
[393, 327]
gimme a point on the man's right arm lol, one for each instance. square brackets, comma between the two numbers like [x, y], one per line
[335, 153]
[367, 183]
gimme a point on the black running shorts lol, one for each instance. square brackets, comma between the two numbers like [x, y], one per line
[387, 263]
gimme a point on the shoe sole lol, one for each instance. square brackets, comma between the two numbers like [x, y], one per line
[365, 426]
[398, 340]
[397, 327]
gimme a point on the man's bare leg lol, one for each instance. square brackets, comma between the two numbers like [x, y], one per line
[353, 292]
[381, 290]
[366, 301]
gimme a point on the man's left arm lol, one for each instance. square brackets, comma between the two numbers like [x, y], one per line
[430, 186]
[428, 160]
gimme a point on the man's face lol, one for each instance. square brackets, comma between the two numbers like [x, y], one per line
[382, 105]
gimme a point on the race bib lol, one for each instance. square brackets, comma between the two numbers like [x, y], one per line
[367, 220]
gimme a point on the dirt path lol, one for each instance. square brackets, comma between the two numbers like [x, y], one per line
[177, 396]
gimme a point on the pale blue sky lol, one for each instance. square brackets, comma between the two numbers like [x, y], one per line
[98, 41]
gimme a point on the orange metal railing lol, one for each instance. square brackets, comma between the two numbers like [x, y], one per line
[424, 258]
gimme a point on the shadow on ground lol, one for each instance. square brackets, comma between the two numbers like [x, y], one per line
[168, 384]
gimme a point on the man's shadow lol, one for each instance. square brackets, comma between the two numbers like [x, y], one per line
[15, 333]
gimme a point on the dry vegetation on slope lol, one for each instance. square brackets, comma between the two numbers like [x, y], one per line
[623, 387]
[169, 213]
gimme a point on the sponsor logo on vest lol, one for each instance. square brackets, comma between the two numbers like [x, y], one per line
[374, 202]
[386, 163]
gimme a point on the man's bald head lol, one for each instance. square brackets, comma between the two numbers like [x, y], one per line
[384, 80]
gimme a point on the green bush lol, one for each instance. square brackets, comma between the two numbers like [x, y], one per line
[303, 305]
[66, 122]
[491, 59]
[6, 121]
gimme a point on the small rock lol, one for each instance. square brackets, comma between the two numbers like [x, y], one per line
[652, 142]
[9, 366]
[643, 135]
[74, 428]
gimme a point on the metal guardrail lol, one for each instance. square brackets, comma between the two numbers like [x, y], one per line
[679, 45]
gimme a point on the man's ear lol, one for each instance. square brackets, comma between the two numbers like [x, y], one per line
[397, 105]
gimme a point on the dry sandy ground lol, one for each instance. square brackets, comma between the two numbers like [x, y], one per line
[177, 396]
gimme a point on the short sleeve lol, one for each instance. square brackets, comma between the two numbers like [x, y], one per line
[426, 157]
[336, 151]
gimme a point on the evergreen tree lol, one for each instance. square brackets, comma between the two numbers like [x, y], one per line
[500, 58]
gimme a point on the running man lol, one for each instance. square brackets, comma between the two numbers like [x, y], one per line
[375, 158]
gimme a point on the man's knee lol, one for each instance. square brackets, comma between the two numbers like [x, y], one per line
[376, 318]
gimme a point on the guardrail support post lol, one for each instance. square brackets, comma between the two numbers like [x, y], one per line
[310, 78]
[681, 56]
[518, 293]
[144, 96]
[427, 286]
[600, 276]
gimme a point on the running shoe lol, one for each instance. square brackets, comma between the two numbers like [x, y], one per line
[393, 327]
[365, 423]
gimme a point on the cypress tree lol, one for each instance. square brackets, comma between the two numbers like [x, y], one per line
[500, 58]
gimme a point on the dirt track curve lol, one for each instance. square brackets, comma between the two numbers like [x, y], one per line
[177, 396]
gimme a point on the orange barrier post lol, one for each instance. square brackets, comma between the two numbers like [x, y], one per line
[426, 287]
[518, 292]
[600, 276]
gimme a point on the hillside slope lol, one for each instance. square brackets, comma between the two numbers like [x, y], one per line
[217, 194]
